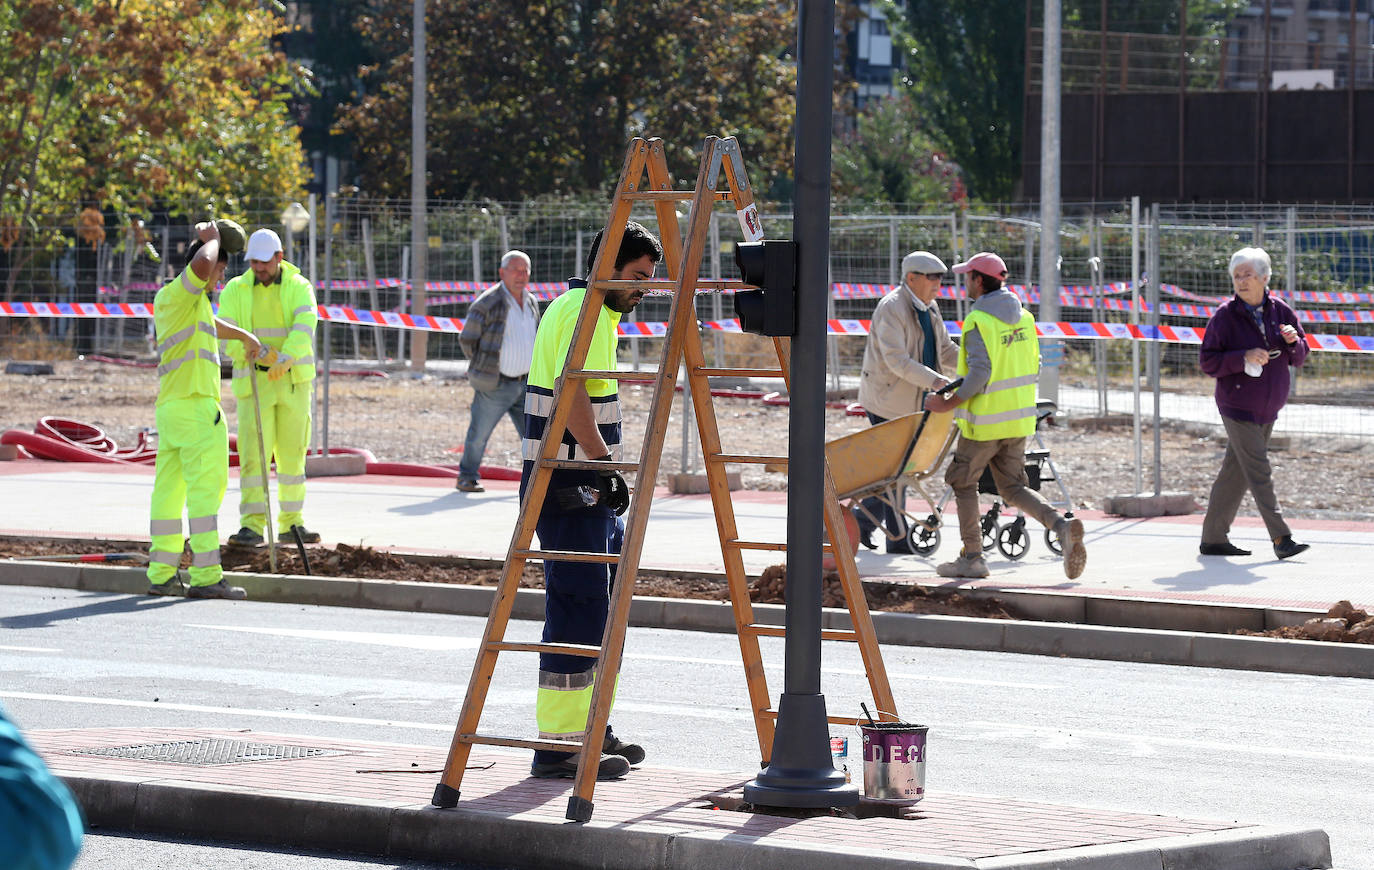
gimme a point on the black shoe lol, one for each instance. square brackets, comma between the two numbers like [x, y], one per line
[1287, 548]
[611, 767]
[217, 590]
[900, 548]
[171, 587]
[307, 536]
[631, 752]
[1225, 548]
[468, 486]
[246, 537]
[865, 532]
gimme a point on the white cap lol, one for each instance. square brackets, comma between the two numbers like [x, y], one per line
[923, 262]
[262, 245]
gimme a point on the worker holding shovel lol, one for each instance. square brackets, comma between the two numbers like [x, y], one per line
[275, 302]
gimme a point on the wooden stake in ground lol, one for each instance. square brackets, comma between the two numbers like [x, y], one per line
[262, 457]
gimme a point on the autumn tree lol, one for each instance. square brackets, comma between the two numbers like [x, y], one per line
[535, 98]
[120, 104]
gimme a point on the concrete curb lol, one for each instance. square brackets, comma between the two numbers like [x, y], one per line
[902, 629]
[417, 831]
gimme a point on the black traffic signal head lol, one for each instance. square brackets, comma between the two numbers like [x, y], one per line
[770, 265]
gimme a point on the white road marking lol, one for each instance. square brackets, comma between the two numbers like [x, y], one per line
[430, 642]
[407, 641]
[36, 649]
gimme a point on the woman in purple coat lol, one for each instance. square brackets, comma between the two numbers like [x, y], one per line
[1248, 346]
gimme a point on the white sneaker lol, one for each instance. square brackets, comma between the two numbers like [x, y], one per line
[964, 567]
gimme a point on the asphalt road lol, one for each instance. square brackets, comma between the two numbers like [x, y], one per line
[1235, 745]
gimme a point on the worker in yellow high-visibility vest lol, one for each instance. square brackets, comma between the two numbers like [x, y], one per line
[581, 508]
[999, 360]
[193, 441]
[275, 302]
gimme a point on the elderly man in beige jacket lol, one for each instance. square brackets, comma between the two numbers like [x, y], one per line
[908, 351]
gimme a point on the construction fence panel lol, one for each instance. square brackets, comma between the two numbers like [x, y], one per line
[359, 253]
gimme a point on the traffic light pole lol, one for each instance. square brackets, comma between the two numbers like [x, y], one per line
[800, 772]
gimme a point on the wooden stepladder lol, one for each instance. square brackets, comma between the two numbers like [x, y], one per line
[720, 159]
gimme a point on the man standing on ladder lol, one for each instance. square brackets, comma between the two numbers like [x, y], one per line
[999, 360]
[582, 508]
[275, 302]
[193, 440]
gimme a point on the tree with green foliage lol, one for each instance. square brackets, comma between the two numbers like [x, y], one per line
[889, 158]
[120, 104]
[964, 69]
[528, 98]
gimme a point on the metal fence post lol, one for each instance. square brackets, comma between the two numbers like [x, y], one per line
[1155, 280]
[1135, 341]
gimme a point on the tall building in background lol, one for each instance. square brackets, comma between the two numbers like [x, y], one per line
[871, 59]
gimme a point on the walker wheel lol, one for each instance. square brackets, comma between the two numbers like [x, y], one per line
[991, 530]
[1013, 540]
[1052, 541]
[923, 541]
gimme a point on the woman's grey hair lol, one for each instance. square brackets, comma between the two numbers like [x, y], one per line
[516, 255]
[1257, 258]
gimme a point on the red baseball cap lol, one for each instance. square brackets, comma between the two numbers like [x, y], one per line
[985, 262]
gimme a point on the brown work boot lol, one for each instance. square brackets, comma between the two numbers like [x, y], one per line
[1070, 532]
[964, 566]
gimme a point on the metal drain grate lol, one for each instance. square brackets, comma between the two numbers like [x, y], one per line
[209, 751]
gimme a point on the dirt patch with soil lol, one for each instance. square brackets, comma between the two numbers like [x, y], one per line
[368, 563]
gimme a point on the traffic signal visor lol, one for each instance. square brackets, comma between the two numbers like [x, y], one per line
[771, 266]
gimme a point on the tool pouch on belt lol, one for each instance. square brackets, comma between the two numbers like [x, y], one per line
[610, 490]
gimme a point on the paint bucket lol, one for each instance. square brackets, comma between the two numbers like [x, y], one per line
[894, 762]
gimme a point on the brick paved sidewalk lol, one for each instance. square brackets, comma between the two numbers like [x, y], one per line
[373, 797]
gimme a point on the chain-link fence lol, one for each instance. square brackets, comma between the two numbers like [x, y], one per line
[358, 251]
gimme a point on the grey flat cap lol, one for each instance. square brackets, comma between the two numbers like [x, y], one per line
[924, 262]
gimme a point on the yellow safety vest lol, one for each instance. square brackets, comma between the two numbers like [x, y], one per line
[188, 351]
[282, 316]
[1006, 406]
[551, 344]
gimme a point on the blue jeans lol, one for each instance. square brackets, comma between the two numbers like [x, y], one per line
[487, 407]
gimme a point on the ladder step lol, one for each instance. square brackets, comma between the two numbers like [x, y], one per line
[737, 373]
[770, 546]
[775, 546]
[746, 459]
[667, 285]
[522, 743]
[631, 377]
[670, 195]
[568, 556]
[591, 465]
[780, 631]
[565, 649]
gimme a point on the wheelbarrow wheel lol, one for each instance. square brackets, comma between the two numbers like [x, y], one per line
[922, 539]
[1013, 540]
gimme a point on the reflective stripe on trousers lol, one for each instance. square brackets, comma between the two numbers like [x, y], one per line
[286, 435]
[192, 473]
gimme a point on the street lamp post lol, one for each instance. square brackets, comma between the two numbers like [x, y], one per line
[800, 771]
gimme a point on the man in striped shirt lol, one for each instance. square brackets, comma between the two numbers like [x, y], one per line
[498, 340]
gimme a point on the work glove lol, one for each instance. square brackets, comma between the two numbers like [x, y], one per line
[615, 492]
[231, 236]
[267, 355]
[279, 368]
